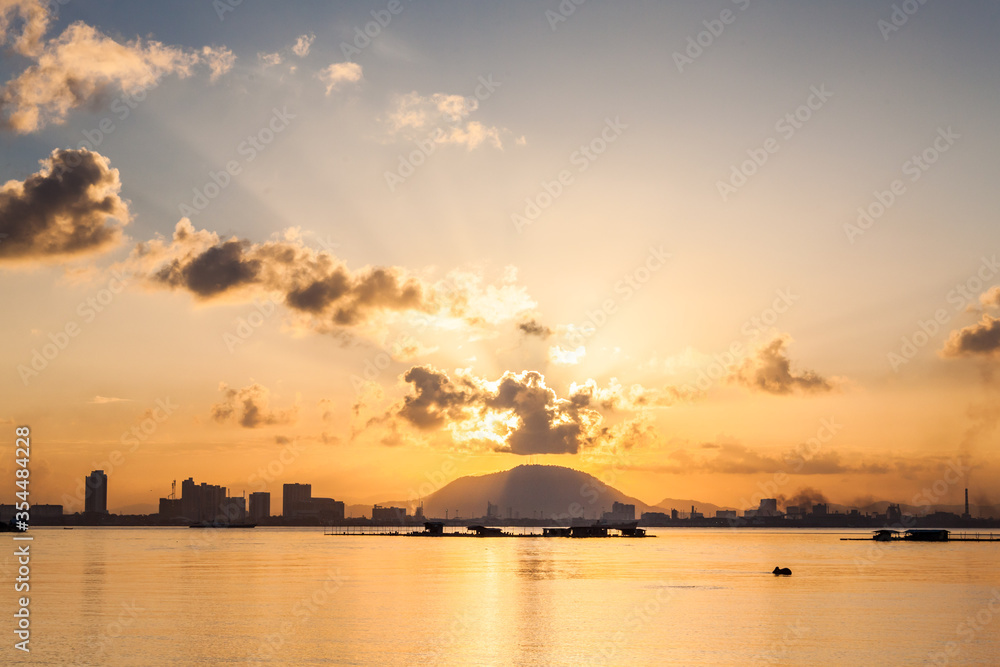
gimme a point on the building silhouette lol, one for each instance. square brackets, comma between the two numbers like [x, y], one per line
[234, 509]
[96, 499]
[170, 508]
[260, 506]
[768, 507]
[201, 502]
[293, 496]
[298, 503]
[619, 512]
[388, 514]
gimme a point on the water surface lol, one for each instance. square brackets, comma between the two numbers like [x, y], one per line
[152, 596]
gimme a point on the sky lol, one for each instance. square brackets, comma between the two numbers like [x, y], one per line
[717, 250]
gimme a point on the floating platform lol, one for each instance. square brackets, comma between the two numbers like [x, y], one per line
[436, 529]
[924, 535]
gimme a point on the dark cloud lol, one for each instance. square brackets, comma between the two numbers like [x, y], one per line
[517, 414]
[380, 289]
[249, 407]
[769, 370]
[437, 398]
[317, 295]
[980, 339]
[546, 424]
[318, 287]
[64, 209]
[533, 328]
[219, 269]
[348, 298]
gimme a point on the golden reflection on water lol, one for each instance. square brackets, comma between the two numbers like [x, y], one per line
[686, 597]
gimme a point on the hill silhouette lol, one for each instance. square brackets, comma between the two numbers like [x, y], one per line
[529, 491]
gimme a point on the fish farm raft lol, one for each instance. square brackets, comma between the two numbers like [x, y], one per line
[436, 529]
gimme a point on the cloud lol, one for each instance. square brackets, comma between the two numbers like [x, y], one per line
[732, 458]
[33, 16]
[269, 59]
[80, 67]
[219, 60]
[769, 370]
[338, 73]
[415, 111]
[63, 209]
[472, 135]
[441, 117]
[104, 400]
[616, 396]
[321, 292]
[249, 407]
[991, 297]
[980, 339]
[566, 357]
[533, 328]
[302, 45]
[218, 269]
[300, 48]
[518, 413]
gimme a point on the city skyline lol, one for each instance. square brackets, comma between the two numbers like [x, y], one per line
[207, 503]
[690, 249]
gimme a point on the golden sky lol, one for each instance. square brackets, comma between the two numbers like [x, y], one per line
[704, 252]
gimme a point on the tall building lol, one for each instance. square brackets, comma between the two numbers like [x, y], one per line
[201, 502]
[326, 509]
[260, 505]
[189, 499]
[170, 508]
[291, 497]
[96, 500]
[234, 509]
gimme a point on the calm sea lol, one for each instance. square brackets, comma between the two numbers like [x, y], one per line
[159, 596]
